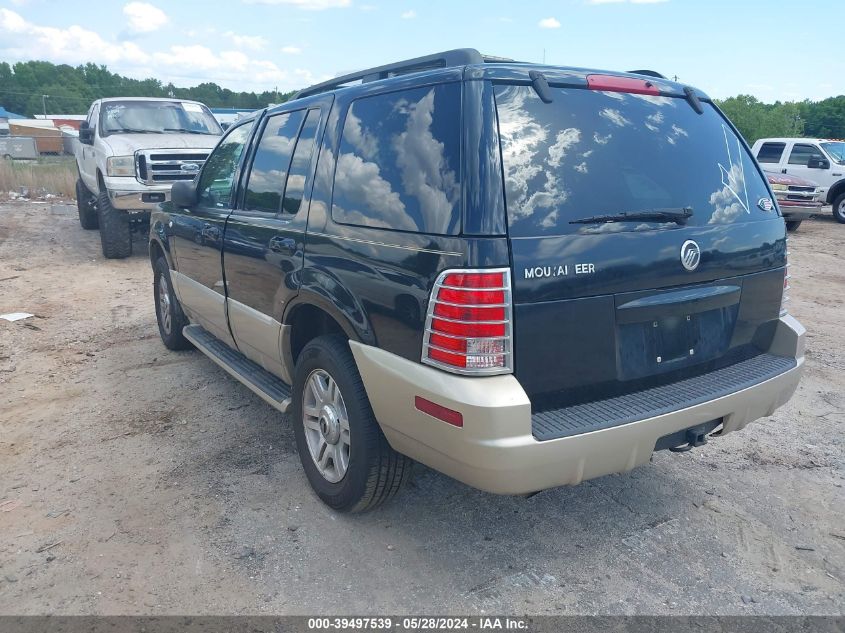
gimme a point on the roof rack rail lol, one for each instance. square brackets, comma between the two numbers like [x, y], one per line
[446, 59]
[647, 73]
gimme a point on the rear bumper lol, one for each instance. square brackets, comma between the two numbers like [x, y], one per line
[496, 450]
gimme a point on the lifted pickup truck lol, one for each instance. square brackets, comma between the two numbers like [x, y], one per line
[818, 160]
[415, 261]
[130, 151]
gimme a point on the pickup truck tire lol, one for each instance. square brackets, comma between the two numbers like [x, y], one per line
[115, 232]
[792, 225]
[171, 319]
[839, 208]
[375, 472]
[86, 207]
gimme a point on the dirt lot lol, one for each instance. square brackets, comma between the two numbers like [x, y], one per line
[134, 480]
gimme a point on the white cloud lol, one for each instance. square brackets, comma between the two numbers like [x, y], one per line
[251, 42]
[565, 139]
[72, 45]
[144, 17]
[184, 64]
[409, 15]
[309, 5]
[291, 50]
[549, 23]
[615, 117]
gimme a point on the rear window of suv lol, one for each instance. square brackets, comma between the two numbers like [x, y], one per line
[398, 165]
[600, 153]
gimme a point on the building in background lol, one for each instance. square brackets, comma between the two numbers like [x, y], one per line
[5, 117]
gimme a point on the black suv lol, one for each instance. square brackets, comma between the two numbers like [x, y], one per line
[522, 276]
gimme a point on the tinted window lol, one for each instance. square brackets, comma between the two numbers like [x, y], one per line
[398, 162]
[592, 153]
[770, 152]
[300, 167]
[801, 154]
[218, 173]
[270, 165]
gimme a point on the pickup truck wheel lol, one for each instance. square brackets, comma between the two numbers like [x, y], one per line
[839, 208]
[86, 207]
[346, 457]
[169, 313]
[115, 233]
[792, 225]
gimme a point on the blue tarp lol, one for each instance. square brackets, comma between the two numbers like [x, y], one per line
[5, 114]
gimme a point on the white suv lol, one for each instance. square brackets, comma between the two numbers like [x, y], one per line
[816, 159]
[130, 151]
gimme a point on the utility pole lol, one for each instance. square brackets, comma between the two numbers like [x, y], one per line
[44, 104]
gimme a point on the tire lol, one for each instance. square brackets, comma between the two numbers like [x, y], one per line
[792, 225]
[171, 319]
[85, 206]
[839, 208]
[374, 471]
[115, 233]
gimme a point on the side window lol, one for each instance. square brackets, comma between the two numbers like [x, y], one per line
[398, 163]
[770, 152]
[801, 154]
[300, 167]
[218, 174]
[94, 116]
[270, 165]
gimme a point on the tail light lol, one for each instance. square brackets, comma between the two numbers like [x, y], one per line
[469, 325]
[785, 297]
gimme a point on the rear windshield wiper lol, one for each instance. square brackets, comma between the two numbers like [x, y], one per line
[679, 216]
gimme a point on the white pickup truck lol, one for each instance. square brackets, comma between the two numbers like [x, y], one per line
[818, 160]
[130, 151]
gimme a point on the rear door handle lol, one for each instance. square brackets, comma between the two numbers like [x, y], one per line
[284, 245]
[210, 232]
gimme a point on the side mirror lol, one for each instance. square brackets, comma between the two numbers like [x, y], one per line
[183, 193]
[818, 162]
[86, 133]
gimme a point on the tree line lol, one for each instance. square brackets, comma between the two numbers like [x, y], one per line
[71, 90]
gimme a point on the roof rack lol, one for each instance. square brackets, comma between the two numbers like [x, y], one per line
[446, 59]
[647, 73]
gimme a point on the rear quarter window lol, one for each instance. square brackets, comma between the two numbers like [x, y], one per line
[770, 152]
[600, 153]
[398, 163]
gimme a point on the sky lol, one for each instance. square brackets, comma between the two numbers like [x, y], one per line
[772, 49]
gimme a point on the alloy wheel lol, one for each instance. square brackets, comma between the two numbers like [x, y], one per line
[164, 303]
[326, 425]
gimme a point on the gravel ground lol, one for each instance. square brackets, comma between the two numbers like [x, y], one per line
[135, 480]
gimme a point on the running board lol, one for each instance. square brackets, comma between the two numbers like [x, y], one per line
[264, 384]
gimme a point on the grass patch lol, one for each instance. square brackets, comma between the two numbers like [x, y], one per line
[55, 175]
